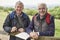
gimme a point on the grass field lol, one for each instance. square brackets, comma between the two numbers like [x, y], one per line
[57, 23]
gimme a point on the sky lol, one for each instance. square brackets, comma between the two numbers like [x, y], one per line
[29, 3]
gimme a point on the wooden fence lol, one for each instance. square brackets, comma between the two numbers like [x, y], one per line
[48, 38]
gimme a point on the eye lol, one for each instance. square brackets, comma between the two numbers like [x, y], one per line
[39, 8]
[43, 8]
[19, 6]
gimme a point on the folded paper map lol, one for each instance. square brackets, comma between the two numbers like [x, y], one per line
[23, 35]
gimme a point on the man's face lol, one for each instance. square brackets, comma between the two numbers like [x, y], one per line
[18, 8]
[42, 10]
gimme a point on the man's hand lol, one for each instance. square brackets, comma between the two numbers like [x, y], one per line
[13, 29]
[34, 35]
[21, 30]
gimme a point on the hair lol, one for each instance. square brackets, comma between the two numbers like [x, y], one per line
[20, 3]
[42, 4]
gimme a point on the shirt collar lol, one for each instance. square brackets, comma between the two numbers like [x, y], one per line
[22, 14]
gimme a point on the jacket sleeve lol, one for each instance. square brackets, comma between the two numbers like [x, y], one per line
[28, 21]
[7, 25]
[51, 29]
[30, 27]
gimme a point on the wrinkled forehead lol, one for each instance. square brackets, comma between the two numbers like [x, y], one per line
[42, 5]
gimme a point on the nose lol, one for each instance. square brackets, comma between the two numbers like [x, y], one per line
[41, 10]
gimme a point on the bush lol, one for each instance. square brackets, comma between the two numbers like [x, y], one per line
[55, 12]
[30, 11]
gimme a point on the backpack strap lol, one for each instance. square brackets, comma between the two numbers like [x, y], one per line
[12, 15]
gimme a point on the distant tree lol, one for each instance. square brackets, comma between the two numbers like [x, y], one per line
[30, 11]
[55, 12]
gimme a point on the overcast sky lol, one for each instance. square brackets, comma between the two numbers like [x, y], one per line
[29, 2]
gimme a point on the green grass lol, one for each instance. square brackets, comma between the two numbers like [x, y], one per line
[57, 28]
[2, 18]
[57, 23]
